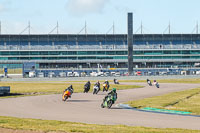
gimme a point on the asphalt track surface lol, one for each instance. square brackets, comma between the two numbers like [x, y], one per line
[85, 108]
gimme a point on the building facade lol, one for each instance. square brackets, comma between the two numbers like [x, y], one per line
[105, 51]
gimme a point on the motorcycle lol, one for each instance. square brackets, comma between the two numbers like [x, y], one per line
[86, 88]
[108, 101]
[149, 83]
[66, 95]
[157, 85]
[116, 82]
[96, 89]
[105, 87]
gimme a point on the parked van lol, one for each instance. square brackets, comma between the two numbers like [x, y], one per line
[31, 74]
[93, 74]
[100, 74]
[51, 74]
[4, 90]
[73, 74]
[40, 75]
[62, 74]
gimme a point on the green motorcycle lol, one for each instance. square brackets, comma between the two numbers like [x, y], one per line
[108, 101]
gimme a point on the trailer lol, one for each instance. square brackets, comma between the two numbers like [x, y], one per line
[4, 90]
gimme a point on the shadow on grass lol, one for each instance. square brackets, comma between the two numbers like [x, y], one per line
[11, 94]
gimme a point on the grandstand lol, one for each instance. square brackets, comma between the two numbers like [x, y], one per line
[87, 52]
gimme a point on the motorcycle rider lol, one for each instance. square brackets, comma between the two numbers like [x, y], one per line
[156, 83]
[149, 82]
[97, 84]
[87, 85]
[112, 93]
[115, 81]
[107, 83]
[70, 88]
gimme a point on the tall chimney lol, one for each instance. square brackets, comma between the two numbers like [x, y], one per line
[130, 43]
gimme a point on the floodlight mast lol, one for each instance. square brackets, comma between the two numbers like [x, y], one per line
[130, 43]
[0, 27]
[55, 28]
[27, 28]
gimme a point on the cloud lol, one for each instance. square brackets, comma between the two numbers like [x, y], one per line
[84, 7]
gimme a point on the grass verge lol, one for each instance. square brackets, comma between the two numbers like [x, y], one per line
[188, 100]
[69, 127]
[187, 81]
[39, 88]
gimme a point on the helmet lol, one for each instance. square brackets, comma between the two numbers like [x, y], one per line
[114, 89]
[106, 80]
[70, 87]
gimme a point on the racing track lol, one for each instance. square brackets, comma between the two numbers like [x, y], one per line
[86, 108]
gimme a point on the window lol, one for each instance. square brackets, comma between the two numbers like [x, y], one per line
[72, 53]
[185, 52]
[53, 53]
[120, 52]
[34, 53]
[43, 53]
[24, 53]
[110, 53]
[101, 52]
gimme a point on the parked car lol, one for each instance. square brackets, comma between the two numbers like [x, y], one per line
[83, 74]
[93, 74]
[73, 74]
[117, 74]
[112, 74]
[107, 74]
[138, 73]
[100, 74]
[125, 74]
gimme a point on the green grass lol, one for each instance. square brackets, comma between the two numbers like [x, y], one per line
[70, 127]
[39, 88]
[190, 81]
[188, 101]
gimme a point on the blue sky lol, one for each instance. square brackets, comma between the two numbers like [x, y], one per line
[99, 15]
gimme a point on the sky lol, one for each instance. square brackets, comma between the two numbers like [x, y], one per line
[99, 15]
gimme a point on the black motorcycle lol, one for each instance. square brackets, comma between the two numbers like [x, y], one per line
[115, 81]
[86, 88]
[149, 83]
